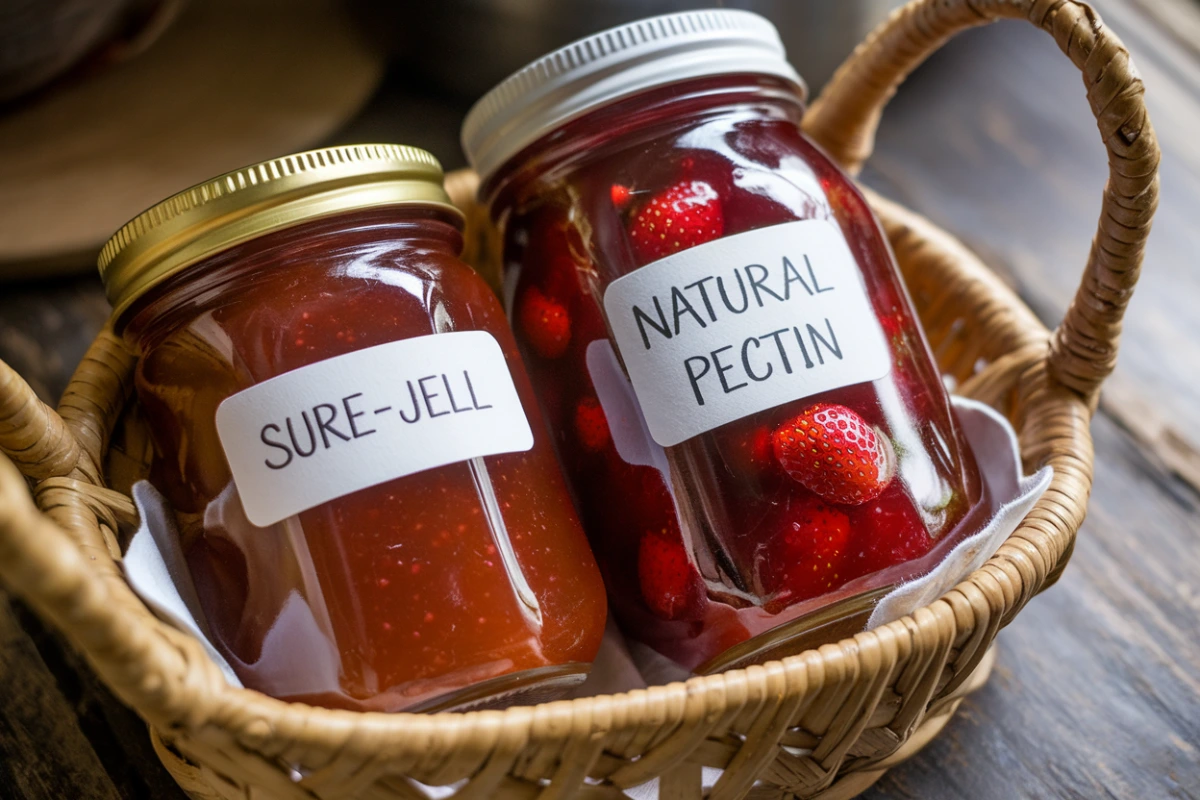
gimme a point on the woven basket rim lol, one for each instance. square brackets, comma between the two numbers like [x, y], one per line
[242, 696]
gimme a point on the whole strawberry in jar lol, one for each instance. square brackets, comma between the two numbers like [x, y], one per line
[754, 429]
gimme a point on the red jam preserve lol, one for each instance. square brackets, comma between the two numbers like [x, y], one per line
[754, 429]
[367, 497]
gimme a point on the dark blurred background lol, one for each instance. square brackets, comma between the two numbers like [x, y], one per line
[117, 103]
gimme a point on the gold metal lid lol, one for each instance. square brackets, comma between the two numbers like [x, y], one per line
[202, 221]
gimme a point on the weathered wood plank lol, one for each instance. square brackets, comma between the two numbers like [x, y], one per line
[116, 734]
[43, 751]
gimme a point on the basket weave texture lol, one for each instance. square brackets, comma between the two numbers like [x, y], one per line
[824, 723]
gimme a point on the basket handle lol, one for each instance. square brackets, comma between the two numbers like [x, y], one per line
[45, 443]
[843, 120]
[32, 434]
[51, 556]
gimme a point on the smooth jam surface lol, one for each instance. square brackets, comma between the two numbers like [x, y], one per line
[396, 594]
[720, 544]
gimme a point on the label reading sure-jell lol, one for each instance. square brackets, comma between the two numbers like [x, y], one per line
[356, 420]
[742, 324]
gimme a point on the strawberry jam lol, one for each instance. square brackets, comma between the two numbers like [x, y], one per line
[368, 499]
[779, 448]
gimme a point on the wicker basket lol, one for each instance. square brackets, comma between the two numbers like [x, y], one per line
[822, 723]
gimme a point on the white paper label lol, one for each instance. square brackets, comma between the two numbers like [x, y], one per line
[743, 324]
[356, 420]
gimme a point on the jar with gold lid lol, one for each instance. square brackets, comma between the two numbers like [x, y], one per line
[370, 508]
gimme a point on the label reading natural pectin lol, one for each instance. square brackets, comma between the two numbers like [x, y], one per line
[356, 420]
[743, 324]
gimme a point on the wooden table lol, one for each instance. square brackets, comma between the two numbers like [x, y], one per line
[1097, 689]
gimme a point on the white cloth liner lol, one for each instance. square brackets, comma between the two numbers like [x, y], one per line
[157, 571]
[1014, 495]
[155, 567]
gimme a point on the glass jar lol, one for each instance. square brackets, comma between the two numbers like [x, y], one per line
[366, 495]
[753, 426]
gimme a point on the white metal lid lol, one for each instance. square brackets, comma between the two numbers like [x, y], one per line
[614, 64]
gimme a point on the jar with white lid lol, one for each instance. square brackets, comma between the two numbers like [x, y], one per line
[754, 428]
